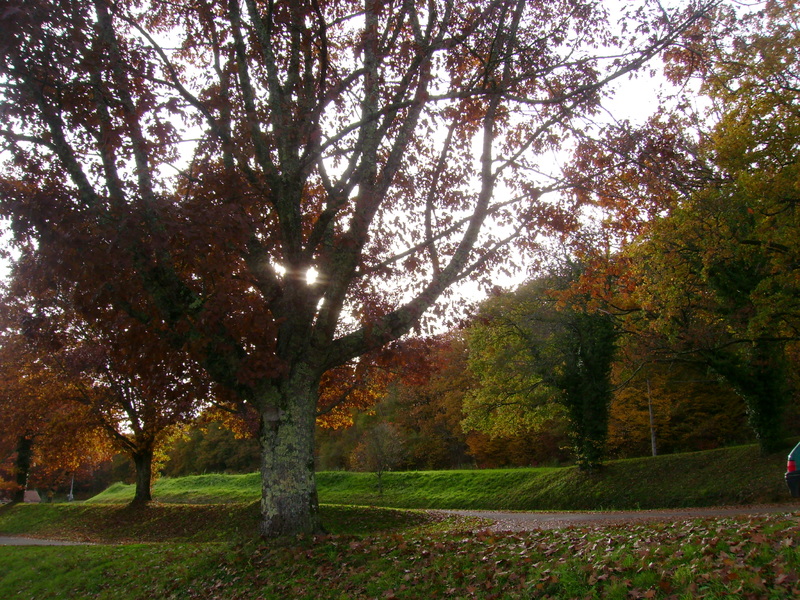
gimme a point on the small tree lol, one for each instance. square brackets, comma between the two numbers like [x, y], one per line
[77, 381]
[43, 434]
[380, 450]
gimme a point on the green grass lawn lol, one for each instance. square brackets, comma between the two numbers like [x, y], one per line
[209, 549]
[739, 475]
[417, 558]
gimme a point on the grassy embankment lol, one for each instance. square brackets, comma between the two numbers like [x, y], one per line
[739, 475]
[208, 551]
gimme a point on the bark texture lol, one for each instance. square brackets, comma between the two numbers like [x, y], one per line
[143, 461]
[289, 504]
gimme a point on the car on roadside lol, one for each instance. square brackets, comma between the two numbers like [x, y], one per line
[792, 474]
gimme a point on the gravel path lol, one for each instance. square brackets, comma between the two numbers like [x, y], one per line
[23, 541]
[529, 521]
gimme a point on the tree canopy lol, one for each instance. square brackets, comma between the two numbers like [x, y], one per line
[708, 264]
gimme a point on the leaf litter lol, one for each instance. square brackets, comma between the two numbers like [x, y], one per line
[735, 557]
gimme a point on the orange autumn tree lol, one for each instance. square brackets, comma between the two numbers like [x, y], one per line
[113, 385]
[670, 403]
[277, 188]
[354, 386]
[43, 435]
[428, 406]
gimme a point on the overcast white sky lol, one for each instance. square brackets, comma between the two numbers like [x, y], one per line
[635, 100]
[3, 244]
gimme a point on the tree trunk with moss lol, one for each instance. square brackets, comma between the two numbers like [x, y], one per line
[289, 502]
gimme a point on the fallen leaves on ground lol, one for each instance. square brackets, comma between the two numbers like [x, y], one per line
[745, 557]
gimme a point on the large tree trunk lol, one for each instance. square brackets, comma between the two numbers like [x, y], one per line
[143, 461]
[22, 467]
[289, 503]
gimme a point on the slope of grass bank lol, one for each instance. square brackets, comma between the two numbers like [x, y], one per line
[739, 475]
[213, 488]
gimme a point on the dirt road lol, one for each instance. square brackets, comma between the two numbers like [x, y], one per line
[528, 521]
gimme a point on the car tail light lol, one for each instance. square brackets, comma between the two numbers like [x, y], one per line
[790, 466]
